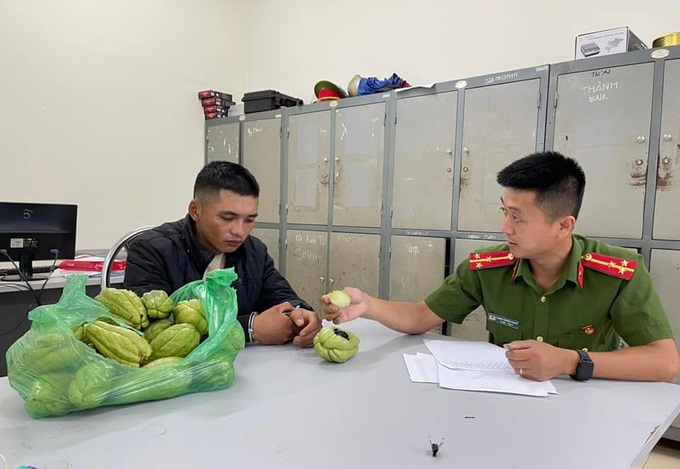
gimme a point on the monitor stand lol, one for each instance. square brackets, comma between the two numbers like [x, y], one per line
[30, 272]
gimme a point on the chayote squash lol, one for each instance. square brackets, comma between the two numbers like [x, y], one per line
[126, 305]
[336, 345]
[191, 312]
[158, 304]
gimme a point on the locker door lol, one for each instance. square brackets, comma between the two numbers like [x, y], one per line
[423, 161]
[416, 267]
[306, 265]
[222, 142]
[309, 148]
[603, 120]
[666, 221]
[262, 156]
[474, 326]
[499, 126]
[359, 143]
[354, 262]
[665, 271]
[270, 237]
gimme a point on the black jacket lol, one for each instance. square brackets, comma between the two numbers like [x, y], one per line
[169, 257]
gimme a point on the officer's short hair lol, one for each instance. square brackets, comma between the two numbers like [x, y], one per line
[559, 182]
[219, 175]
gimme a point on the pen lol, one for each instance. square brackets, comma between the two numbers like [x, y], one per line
[287, 313]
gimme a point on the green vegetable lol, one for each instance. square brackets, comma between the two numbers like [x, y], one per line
[335, 345]
[339, 298]
[191, 312]
[158, 304]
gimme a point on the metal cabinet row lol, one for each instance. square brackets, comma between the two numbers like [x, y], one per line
[388, 192]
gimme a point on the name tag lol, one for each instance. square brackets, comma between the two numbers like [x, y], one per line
[502, 320]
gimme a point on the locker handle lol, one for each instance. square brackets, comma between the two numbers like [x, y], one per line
[324, 179]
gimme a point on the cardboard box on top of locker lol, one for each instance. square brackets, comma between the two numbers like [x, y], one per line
[609, 41]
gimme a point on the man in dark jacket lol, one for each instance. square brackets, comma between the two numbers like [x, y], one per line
[215, 234]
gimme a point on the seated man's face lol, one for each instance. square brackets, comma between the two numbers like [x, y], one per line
[224, 221]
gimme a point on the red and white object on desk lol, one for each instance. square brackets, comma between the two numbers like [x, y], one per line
[90, 264]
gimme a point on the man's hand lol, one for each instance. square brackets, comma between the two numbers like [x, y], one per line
[357, 307]
[308, 324]
[540, 361]
[273, 327]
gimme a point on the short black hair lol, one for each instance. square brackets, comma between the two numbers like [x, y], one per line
[225, 175]
[559, 182]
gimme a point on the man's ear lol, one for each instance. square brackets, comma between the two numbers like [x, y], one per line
[566, 226]
[194, 209]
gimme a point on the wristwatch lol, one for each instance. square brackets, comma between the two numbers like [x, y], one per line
[585, 367]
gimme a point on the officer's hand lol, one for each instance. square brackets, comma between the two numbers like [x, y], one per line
[357, 307]
[273, 327]
[308, 324]
[540, 361]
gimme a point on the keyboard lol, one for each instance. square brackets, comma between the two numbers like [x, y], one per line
[40, 269]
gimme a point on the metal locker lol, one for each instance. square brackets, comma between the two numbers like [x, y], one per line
[270, 237]
[309, 151]
[423, 161]
[665, 271]
[603, 120]
[666, 221]
[358, 175]
[474, 326]
[417, 267]
[500, 123]
[354, 262]
[222, 142]
[262, 156]
[306, 265]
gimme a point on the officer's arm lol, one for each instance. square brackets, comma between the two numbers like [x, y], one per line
[409, 318]
[656, 361]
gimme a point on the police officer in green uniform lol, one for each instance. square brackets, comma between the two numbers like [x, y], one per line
[560, 303]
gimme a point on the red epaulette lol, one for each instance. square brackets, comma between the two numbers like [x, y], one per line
[615, 266]
[487, 260]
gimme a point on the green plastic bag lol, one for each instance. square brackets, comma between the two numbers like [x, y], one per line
[55, 373]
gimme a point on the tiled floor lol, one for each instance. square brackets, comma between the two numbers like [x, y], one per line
[666, 455]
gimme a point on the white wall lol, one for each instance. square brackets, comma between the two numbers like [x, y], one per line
[99, 106]
[98, 101]
[297, 43]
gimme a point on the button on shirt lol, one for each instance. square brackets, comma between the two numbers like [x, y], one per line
[568, 315]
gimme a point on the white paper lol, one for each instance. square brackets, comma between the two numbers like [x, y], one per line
[422, 368]
[492, 381]
[469, 355]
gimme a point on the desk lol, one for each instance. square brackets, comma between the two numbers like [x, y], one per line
[15, 301]
[289, 409]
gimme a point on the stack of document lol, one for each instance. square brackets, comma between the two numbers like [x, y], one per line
[471, 366]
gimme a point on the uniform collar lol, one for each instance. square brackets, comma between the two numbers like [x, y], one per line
[573, 269]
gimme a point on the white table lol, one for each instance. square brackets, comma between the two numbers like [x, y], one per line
[289, 409]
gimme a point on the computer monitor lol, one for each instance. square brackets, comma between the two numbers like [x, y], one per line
[36, 232]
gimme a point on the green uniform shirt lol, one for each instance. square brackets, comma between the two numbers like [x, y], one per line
[567, 316]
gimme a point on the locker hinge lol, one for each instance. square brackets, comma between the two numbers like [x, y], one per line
[389, 253]
[391, 214]
[395, 119]
[385, 120]
[286, 209]
[288, 133]
[538, 104]
[557, 96]
[281, 132]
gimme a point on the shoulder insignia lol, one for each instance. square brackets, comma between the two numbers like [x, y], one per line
[487, 260]
[614, 266]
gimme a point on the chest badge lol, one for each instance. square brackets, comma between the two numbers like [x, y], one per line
[588, 329]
